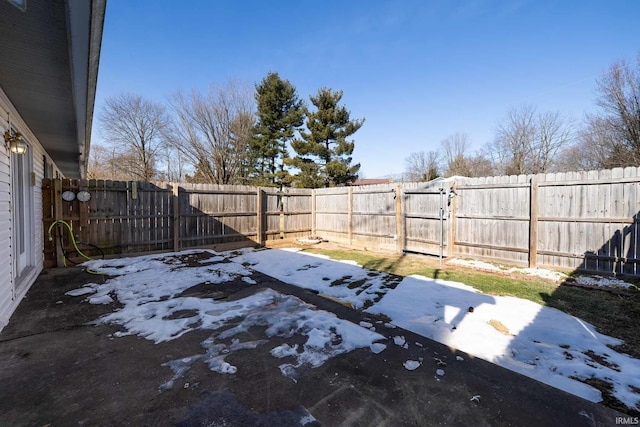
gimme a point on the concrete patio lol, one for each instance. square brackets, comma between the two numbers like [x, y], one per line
[56, 369]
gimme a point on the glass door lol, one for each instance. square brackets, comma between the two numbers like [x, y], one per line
[22, 214]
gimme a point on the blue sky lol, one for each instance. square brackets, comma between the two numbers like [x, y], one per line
[417, 71]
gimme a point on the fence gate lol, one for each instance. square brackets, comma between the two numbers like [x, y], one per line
[427, 210]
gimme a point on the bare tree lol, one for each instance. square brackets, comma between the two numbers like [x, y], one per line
[213, 130]
[598, 147]
[612, 138]
[175, 164]
[514, 140]
[555, 132]
[457, 160]
[527, 142]
[102, 163]
[480, 164]
[619, 90]
[454, 149]
[586, 154]
[421, 166]
[106, 162]
[603, 146]
[134, 126]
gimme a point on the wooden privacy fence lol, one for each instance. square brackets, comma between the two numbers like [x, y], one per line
[576, 220]
[580, 220]
[394, 217]
[136, 217]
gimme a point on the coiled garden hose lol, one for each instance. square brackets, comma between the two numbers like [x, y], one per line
[75, 245]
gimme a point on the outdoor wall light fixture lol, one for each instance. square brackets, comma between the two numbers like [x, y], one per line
[14, 142]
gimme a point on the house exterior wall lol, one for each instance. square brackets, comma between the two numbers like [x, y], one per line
[12, 292]
[6, 257]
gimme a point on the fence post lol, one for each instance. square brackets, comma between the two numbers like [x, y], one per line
[176, 217]
[47, 217]
[313, 213]
[281, 209]
[259, 217]
[452, 221]
[533, 223]
[57, 215]
[350, 215]
[399, 236]
[84, 213]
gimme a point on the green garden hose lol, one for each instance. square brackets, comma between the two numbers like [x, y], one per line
[73, 241]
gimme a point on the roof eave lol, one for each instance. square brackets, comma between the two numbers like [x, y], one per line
[85, 44]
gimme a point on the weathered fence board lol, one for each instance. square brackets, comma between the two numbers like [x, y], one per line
[421, 216]
[574, 220]
[492, 218]
[590, 220]
[362, 216]
[331, 215]
[136, 217]
[578, 220]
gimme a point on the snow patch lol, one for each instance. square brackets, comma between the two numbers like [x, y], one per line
[603, 282]
[81, 291]
[400, 341]
[538, 272]
[307, 419]
[544, 343]
[377, 347]
[344, 280]
[411, 365]
[149, 289]
[103, 299]
[284, 350]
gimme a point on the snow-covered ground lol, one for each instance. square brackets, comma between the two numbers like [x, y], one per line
[604, 282]
[556, 276]
[540, 342]
[149, 289]
[538, 272]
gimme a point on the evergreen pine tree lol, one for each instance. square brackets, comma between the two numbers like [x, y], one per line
[280, 113]
[324, 154]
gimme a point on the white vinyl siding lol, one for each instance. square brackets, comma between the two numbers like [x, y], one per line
[6, 257]
[10, 295]
[38, 169]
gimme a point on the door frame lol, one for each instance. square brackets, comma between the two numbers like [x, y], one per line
[22, 216]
